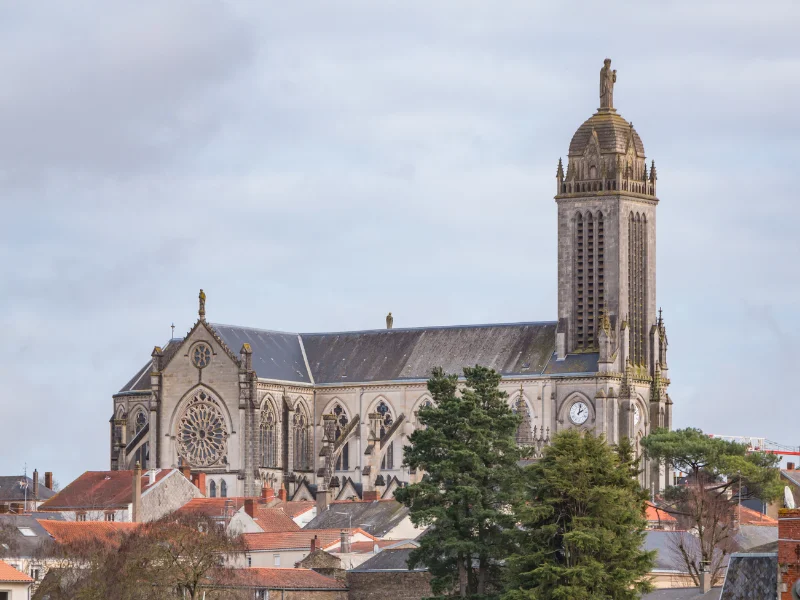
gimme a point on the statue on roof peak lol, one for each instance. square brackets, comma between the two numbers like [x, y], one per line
[608, 78]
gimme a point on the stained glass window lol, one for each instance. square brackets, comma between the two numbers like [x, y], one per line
[300, 427]
[269, 438]
[343, 462]
[202, 434]
[201, 356]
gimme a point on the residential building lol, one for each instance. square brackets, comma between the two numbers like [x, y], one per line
[26, 538]
[251, 407]
[123, 496]
[385, 519]
[290, 584]
[14, 584]
[285, 549]
[22, 494]
[387, 573]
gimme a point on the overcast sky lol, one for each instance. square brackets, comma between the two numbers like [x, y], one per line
[314, 165]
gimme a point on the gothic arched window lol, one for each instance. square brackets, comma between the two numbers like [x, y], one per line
[269, 438]
[212, 489]
[143, 453]
[524, 435]
[140, 422]
[300, 434]
[223, 489]
[386, 423]
[343, 462]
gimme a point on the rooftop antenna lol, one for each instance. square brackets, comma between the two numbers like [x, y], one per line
[172, 336]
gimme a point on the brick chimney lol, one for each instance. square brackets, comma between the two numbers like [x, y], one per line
[250, 507]
[48, 480]
[136, 511]
[790, 466]
[282, 495]
[187, 471]
[371, 495]
[314, 544]
[35, 484]
[267, 494]
[788, 550]
[323, 499]
[199, 480]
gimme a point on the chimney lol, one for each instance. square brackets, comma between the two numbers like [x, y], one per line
[371, 496]
[199, 481]
[137, 493]
[250, 507]
[35, 484]
[789, 466]
[187, 471]
[314, 544]
[151, 477]
[705, 578]
[323, 499]
[267, 494]
[344, 544]
[48, 480]
[788, 550]
[282, 495]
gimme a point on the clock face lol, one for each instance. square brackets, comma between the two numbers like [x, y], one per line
[578, 413]
[637, 414]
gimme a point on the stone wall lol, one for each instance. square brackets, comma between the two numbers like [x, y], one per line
[171, 493]
[310, 594]
[400, 585]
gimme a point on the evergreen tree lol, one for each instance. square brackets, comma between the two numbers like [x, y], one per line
[468, 452]
[581, 524]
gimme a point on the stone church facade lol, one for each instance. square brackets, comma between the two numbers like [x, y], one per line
[332, 411]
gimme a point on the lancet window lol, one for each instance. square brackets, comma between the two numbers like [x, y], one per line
[385, 424]
[524, 434]
[343, 462]
[637, 286]
[223, 489]
[269, 437]
[589, 242]
[300, 438]
[212, 489]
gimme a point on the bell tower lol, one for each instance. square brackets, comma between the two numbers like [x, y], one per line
[607, 241]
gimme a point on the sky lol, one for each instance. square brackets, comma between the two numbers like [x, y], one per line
[314, 165]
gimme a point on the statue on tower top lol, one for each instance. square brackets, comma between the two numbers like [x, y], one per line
[202, 308]
[607, 80]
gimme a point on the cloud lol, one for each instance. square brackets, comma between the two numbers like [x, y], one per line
[314, 165]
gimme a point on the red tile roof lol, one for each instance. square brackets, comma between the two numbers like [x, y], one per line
[296, 540]
[293, 508]
[286, 579]
[210, 507]
[9, 574]
[274, 520]
[659, 514]
[100, 490]
[66, 532]
[368, 547]
[751, 517]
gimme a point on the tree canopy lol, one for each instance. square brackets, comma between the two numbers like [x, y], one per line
[467, 449]
[581, 524]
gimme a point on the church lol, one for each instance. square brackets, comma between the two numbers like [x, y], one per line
[330, 412]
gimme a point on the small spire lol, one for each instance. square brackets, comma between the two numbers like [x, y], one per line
[653, 175]
[202, 308]
[560, 171]
[605, 323]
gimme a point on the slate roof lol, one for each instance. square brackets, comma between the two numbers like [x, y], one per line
[683, 594]
[394, 354]
[12, 490]
[751, 576]
[388, 560]
[286, 579]
[612, 133]
[25, 546]
[101, 490]
[752, 536]
[663, 542]
[378, 517]
[141, 381]
[9, 574]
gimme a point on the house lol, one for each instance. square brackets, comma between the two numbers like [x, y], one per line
[387, 574]
[23, 539]
[14, 584]
[123, 496]
[324, 563]
[386, 519]
[289, 584]
[20, 493]
[285, 549]
[241, 515]
[658, 518]
[354, 554]
[70, 532]
[755, 529]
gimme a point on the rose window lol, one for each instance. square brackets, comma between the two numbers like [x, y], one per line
[202, 436]
[201, 356]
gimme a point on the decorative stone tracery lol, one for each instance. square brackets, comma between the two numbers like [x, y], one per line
[202, 433]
